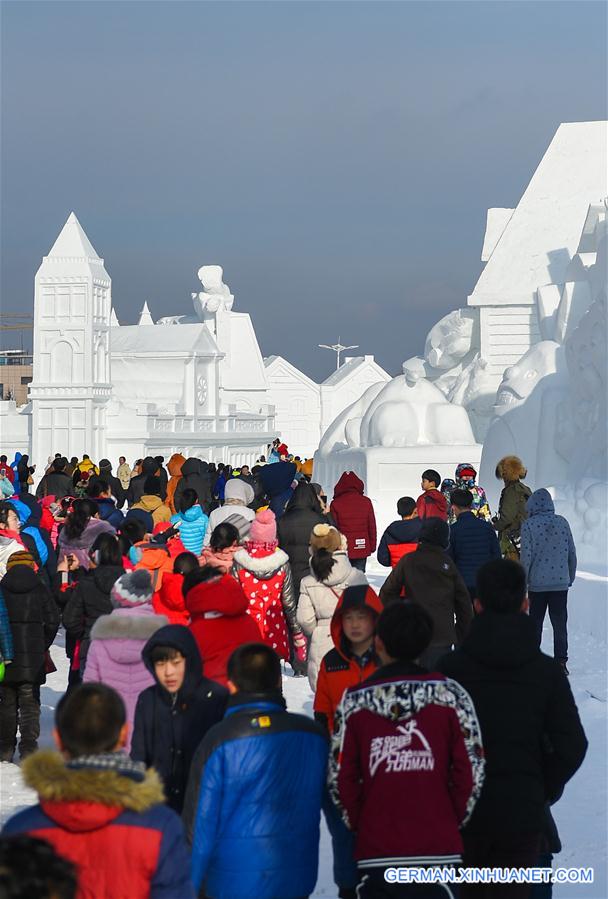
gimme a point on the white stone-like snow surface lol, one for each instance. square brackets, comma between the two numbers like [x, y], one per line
[580, 815]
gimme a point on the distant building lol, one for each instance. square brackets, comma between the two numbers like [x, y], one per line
[15, 375]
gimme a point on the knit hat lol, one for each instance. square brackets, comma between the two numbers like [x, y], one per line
[435, 532]
[263, 527]
[324, 536]
[132, 589]
[20, 558]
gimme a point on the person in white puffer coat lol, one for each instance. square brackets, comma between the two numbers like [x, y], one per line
[331, 573]
[237, 496]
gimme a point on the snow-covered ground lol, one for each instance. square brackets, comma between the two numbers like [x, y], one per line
[581, 814]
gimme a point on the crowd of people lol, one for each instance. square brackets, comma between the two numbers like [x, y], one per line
[441, 734]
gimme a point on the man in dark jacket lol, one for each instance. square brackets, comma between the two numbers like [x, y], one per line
[294, 528]
[430, 578]
[195, 475]
[136, 490]
[533, 738]
[56, 482]
[34, 619]
[173, 716]
[116, 488]
[354, 516]
[253, 805]
[278, 480]
[162, 474]
[401, 536]
[473, 541]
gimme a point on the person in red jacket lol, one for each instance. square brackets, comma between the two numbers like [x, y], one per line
[169, 599]
[432, 503]
[219, 620]
[354, 516]
[407, 760]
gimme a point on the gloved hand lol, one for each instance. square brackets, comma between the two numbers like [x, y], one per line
[299, 661]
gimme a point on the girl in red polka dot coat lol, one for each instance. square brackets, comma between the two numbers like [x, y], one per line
[264, 573]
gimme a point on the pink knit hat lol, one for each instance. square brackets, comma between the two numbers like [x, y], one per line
[263, 527]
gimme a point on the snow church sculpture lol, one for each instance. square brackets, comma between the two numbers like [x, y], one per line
[507, 359]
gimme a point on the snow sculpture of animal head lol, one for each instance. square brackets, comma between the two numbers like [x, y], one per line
[450, 340]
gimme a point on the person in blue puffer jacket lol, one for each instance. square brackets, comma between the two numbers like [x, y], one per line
[253, 803]
[191, 521]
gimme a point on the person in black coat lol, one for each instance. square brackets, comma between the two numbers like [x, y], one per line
[196, 476]
[294, 528]
[532, 735]
[173, 716]
[116, 488]
[34, 619]
[56, 482]
[136, 487]
[473, 541]
[90, 597]
[162, 476]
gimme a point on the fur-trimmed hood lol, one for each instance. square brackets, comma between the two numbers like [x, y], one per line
[84, 799]
[511, 468]
[262, 567]
[127, 624]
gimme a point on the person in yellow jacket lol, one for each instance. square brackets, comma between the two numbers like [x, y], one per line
[151, 501]
[87, 465]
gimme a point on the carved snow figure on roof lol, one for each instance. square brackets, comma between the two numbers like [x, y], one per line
[215, 295]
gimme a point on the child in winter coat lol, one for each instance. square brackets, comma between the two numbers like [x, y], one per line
[114, 656]
[465, 480]
[34, 619]
[432, 503]
[331, 574]
[191, 521]
[219, 619]
[169, 600]
[264, 573]
[222, 547]
[173, 716]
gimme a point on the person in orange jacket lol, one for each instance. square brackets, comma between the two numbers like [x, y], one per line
[169, 599]
[174, 467]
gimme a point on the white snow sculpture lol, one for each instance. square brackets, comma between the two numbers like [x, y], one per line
[215, 294]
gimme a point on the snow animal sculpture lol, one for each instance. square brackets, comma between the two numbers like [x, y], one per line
[344, 431]
[214, 297]
[408, 411]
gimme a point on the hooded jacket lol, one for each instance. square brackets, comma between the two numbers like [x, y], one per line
[34, 620]
[341, 669]
[253, 805]
[354, 516]
[430, 578]
[294, 528]
[108, 512]
[195, 475]
[88, 601]
[238, 496]
[192, 524]
[406, 766]
[159, 511]
[548, 554]
[318, 600]
[30, 514]
[174, 467]
[277, 481]
[169, 726]
[265, 576]
[114, 656]
[532, 734]
[219, 623]
[155, 558]
[432, 504]
[116, 830]
[399, 539]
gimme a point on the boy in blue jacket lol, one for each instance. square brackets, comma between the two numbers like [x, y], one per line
[253, 803]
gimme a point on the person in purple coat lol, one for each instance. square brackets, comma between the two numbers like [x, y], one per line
[114, 656]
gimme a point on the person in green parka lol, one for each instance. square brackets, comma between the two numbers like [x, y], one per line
[512, 510]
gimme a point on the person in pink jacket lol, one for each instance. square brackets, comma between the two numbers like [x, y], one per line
[114, 656]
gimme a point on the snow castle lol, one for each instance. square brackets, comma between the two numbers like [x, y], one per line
[521, 369]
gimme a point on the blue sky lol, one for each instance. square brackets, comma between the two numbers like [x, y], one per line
[336, 158]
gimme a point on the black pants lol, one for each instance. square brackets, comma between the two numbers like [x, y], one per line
[374, 886]
[519, 850]
[358, 563]
[557, 603]
[19, 706]
[431, 656]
